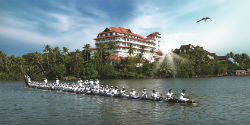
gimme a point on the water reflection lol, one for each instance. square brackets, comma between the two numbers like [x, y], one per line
[222, 101]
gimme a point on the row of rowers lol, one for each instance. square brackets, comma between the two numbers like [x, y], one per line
[93, 87]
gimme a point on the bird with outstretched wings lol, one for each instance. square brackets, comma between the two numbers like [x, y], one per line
[204, 19]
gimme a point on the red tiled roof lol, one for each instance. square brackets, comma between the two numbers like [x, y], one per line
[148, 38]
[127, 31]
[153, 34]
[159, 52]
[125, 37]
[115, 57]
[120, 30]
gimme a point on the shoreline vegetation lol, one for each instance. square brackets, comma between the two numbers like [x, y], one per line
[87, 64]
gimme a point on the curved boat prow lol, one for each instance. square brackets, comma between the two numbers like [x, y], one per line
[26, 80]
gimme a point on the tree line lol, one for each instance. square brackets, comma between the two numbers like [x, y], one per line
[86, 64]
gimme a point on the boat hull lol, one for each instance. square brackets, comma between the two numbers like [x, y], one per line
[117, 96]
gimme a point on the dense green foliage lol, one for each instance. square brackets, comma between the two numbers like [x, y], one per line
[85, 64]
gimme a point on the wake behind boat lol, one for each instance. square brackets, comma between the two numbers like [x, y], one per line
[93, 87]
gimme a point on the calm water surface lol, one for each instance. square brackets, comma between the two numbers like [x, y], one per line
[223, 100]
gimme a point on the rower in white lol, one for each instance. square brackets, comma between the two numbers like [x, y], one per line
[91, 84]
[79, 82]
[133, 94]
[45, 81]
[169, 94]
[28, 79]
[144, 94]
[123, 92]
[154, 95]
[102, 90]
[182, 96]
[106, 90]
[86, 82]
[57, 81]
[97, 85]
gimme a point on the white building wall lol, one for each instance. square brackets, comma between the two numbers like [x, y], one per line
[136, 44]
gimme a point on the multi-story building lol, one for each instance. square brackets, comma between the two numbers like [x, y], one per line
[123, 38]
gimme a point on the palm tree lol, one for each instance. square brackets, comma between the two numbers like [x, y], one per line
[11, 59]
[47, 50]
[101, 48]
[142, 51]
[86, 51]
[110, 45]
[230, 55]
[96, 58]
[57, 55]
[131, 49]
[3, 62]
[152, 51]
[37, 60]
[20, 61]
[166, 69]
[65, 50]
[237, 58]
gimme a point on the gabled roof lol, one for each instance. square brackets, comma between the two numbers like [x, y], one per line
[153, 34]
[120, 30]
[222, 58]
[212, 54]
[186, 47]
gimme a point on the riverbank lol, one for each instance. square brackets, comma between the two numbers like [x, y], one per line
[78, 64]
[72, 78]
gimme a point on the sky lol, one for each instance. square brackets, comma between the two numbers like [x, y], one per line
[28, 25]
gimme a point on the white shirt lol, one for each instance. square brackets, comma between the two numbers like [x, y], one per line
[132, 93]
[182, 95]
[97, 82]
[123, 92]
[91, 84]
[86, 82]
[106, 90]
[57, 81]
[79, 81]
[28, 78]
[115, 91]
[97, 91]
[154, 95]
[45, 81]
[169, 95]
[144, 94]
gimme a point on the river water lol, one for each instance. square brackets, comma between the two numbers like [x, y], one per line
[222, 100]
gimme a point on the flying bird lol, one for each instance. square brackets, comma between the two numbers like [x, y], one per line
[204, 18]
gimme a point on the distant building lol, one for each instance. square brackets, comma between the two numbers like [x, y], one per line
[211, 55]
[240, 72]
[124, 37]
[190, 47]
[221, 58]
[184, 48]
